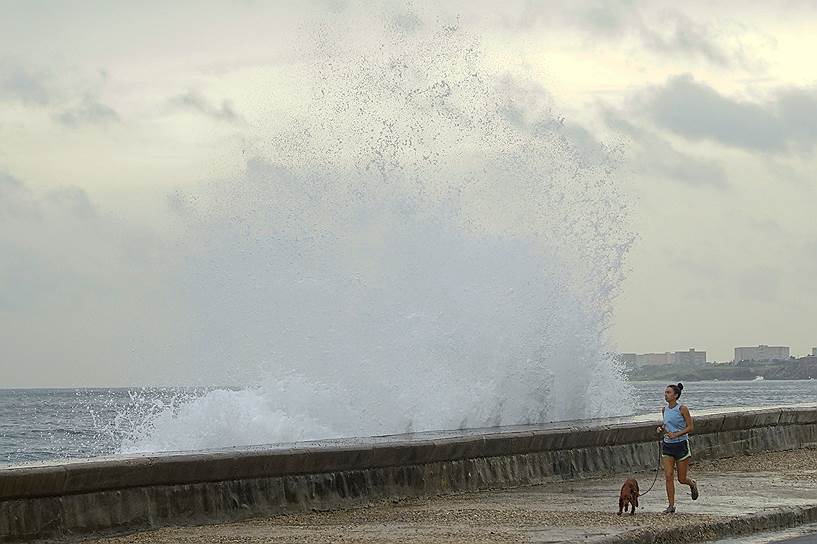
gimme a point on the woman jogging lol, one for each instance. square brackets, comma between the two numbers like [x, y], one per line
[675, 445]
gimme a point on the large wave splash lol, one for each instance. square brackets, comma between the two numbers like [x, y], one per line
[422, 245]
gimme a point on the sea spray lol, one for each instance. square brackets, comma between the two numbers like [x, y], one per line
[424, 245]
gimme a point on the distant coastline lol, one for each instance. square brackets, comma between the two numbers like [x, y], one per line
[794, 369]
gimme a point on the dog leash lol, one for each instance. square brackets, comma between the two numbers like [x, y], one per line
[657, 470]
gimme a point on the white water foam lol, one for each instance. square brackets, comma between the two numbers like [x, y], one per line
[425, 246]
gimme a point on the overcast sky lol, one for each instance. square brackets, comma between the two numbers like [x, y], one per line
[106, 108]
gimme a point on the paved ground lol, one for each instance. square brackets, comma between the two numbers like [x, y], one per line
[805, 539]
[560, 512]
[804, 534]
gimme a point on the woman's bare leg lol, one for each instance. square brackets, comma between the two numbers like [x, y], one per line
[683, 467]
[669, 467]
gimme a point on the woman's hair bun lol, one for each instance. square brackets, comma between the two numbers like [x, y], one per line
[680, 386]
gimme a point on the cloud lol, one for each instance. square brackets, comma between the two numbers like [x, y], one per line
[73, 101]
[88, 111]
[28, 222]
[13, 194]
[662, 31]
[20, 84]
[798, 109]
[78, 286]
[72, 199]
[19, 202]
[685, 37]
[530, 107]
[655, 156]
[8, 183]
[610, 19]
[695, 111]
[195, 101]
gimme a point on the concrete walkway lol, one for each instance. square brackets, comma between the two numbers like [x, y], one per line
[738, 496]
[802, 534]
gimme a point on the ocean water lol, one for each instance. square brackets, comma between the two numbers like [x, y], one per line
[53, 424]
[649, 396]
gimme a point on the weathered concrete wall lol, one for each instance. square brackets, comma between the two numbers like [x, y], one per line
[121, 494]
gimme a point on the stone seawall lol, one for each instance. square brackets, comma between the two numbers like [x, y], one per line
[140, 492]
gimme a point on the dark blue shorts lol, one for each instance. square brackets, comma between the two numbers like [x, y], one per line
[677, 450]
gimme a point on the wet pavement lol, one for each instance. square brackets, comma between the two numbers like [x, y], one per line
[575, 511]
[804, 534]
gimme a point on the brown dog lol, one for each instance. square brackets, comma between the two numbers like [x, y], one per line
[629, 495]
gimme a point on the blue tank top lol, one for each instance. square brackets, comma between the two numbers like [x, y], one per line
[674, 422]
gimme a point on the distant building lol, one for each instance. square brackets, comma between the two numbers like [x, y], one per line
[814, 352]
[762, 353]
[689, 358]
[655, 358]
[628, 358]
